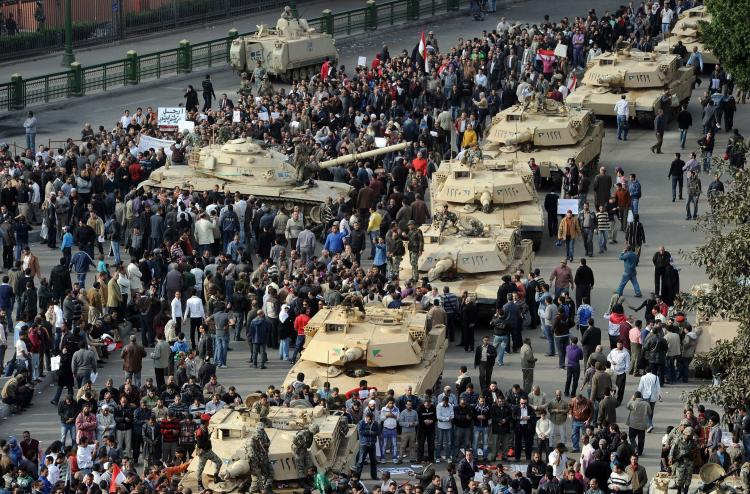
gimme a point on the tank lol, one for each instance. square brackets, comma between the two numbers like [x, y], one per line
[641, 76]
[494, 191]
[390, 348]
[547, 131]
[243, 166]
[687, 29]
[333, 449]
[467, 255]
[291, 51]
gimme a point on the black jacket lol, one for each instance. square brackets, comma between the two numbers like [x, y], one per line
[675, 168]
[491, 355]
[584, 276]
[684, 119]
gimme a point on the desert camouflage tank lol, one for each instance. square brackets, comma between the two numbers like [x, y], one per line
[466, 255]
[291, 51]
[333, 449]
[641, 76]
[547, 131]
[497, 192]
[390, 348]
[243, 166]
[687, 29]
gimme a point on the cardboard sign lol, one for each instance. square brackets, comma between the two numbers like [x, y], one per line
[380, 142]
[236, 116]
[275, 114]
[146, 142]
[188, 125]
[564, 204]
[170, 117]
[362, 61]
[263, 116]
[561, 50]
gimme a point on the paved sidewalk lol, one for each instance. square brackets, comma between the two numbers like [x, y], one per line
[92, 55]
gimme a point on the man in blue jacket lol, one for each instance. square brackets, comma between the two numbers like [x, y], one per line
[260, 330]
[368, 430]
[630, 261]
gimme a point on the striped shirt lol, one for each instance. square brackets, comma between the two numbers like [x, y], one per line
[602, 221]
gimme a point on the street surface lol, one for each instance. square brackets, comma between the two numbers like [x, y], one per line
[663, 220]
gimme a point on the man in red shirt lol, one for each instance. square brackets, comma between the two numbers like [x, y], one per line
[420, 164]
[299, 325]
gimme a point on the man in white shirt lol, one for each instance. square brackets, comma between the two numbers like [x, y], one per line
[619, 357]
[557, 459]
[666, 19]
[85, 455]
[622, 110]
[195, 312]
[650, 391]
[177, 310]
[125, 119]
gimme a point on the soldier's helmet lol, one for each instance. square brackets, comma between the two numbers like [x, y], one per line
[314, 428]
[260, 426]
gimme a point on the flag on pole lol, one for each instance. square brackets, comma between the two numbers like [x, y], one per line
[423, 52]
[117, 478]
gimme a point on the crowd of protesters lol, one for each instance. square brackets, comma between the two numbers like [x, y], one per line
[173, 276]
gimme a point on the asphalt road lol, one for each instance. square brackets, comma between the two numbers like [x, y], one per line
[663, 220]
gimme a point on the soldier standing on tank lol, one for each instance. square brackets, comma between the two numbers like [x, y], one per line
[260, 465]
[287, 14]
[301, 445]
[681, 460]
[245, 88]
[266, 88]
[204, 450]
[208, 92]
[416, 246]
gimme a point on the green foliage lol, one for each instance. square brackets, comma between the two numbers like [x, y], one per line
[725, 256]
[726, 36]
[46, 38]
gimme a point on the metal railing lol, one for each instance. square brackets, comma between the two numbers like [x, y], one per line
[133, 69]
[38, 26]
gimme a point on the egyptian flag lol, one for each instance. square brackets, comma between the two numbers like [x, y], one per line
[546, 53]
[117, 478]
[423, 52]
[573, 82]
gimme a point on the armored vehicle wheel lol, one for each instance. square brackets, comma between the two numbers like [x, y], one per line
[645, 118]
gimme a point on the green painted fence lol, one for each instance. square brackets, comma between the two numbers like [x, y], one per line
[79, 81]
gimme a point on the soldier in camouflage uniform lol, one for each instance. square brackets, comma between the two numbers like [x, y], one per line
[266, 88]
[258, 74]
[260, 464]
[246, 88]
[261, 408]
[415, 245]
[445, 218]
[301, 445]
[305, 167]
[681, 460]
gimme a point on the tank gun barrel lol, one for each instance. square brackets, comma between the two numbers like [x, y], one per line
[367, 154]
[519, 138]
[440, 267]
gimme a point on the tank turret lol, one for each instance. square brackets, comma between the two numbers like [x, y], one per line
[642, 77]
[390, 348]
[333, 447]
[242, 166]
[291, 51]
[688, 30]
[470, 256]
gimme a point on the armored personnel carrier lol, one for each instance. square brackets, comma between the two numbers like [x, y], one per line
[687, 29]
[243, 166]
[467, 255]
[641, 76]
[291, 51]
[547, 131]
[497, 192]
[390, 348]
[333, 449]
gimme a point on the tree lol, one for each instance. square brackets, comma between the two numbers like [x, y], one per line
[726, 36]
[725, 256]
